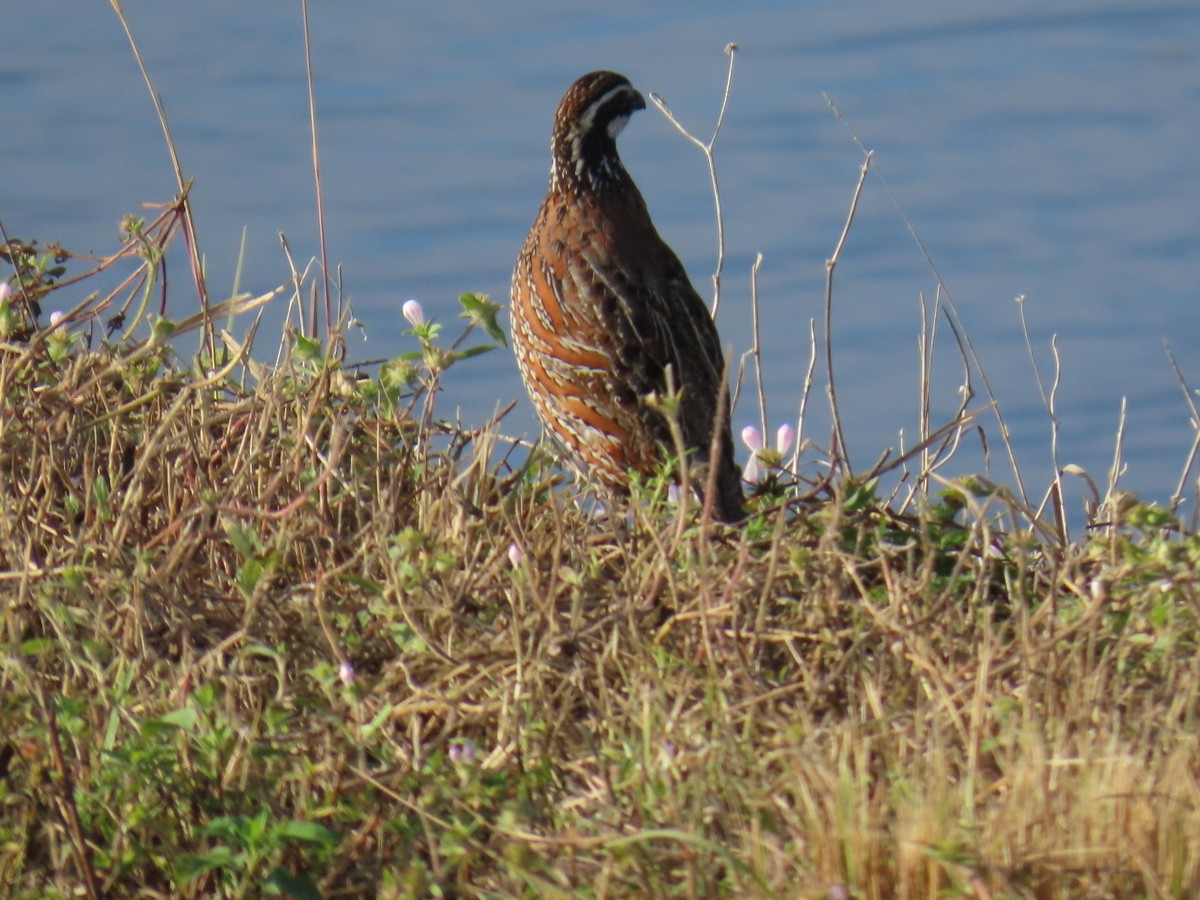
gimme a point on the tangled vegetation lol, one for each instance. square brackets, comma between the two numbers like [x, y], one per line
[276, 629]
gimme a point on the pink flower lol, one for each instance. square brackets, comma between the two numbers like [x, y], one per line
[515, 554]
[752, 474]
[414, 312]
[346, 673]
[752, 438]
[784, 438]
[762, 458]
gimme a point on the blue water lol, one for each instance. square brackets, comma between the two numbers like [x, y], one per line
[1047, 154]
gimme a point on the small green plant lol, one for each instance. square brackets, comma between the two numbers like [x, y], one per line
[246, 848]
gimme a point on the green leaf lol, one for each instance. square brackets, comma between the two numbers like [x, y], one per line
[365, 583]
[248, 575]
[38, 646]
[100, 491]
[289, 884]
[426, 332]
[230, 828]
[9, 320]
[254, 828]
[1150, 516]
[307, 349]
[473, 351]
[309, 832]
[379, 719]
[161, 330]
[191, 867]
[861, 495]
[244, 541]
[182, 719]
[482, 311]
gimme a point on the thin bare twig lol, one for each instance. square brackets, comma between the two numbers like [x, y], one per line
[927, 342]
[956, 425]
[192, 240]
[939, 452]
[707, 149]
[1189, 398]
[805, 393]
[1060, 513]
[1118, 466]
[1048, 401]
[925, 360]
[66, 798]
[953, 317]
[757, 349]
[839, 456]
[316, 164]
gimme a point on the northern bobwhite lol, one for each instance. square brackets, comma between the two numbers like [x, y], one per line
[602, 308]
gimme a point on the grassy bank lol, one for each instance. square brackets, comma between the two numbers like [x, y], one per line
[277, 629]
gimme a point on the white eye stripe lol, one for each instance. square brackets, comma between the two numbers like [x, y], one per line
[589, 115]
[587, 119]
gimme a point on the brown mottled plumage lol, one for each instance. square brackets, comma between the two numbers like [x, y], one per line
[602, 307]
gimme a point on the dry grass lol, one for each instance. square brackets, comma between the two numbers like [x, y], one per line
[835, 698]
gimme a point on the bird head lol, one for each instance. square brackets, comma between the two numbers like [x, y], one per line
[590, 115]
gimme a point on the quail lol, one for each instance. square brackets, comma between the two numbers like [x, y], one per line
[605, 322]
